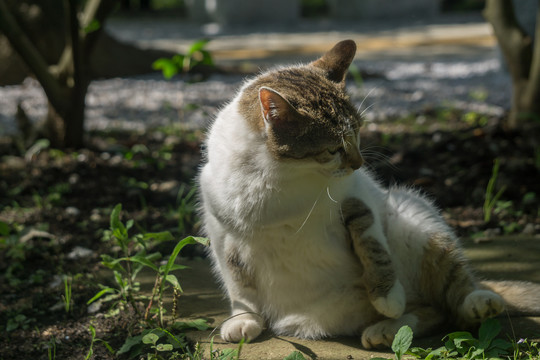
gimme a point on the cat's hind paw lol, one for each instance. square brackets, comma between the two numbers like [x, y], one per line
[245, 326]
[393, 304]
[381, 335]
[480, 305]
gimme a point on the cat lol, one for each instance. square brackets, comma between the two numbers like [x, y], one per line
[304, 239]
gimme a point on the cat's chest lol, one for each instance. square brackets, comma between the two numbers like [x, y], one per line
[316, 241]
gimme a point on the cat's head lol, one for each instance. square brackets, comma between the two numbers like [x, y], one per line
[305, 114]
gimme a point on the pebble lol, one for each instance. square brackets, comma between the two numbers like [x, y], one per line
[529, 229]
[72, 211]
[79, 252]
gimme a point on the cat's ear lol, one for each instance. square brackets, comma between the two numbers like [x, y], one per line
[275, 109]
[337, 60]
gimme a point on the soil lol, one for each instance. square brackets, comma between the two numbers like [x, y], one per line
[56, 205]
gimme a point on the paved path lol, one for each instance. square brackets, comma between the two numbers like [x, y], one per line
[499, 258]
[411, 66]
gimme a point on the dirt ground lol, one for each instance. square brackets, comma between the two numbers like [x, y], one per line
[55, 206]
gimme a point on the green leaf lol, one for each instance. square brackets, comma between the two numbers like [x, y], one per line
[164, 347]
[143, 261]
[102, 292]
[159, 236]
[130, 343]
[173, 280]
[295, 355]
[150, 338]
[167, 67]
[436, 353]
[190, 240]
[198, 324]
[115, 218]
[198, 46]
[175, 267]
[501, 344]
[112, 263]
[94, 25]
[488, 331]
[402, 341]
[129, 224]
[4, 229]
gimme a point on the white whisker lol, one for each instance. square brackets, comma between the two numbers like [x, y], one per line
[330, 196]
[366, 109]
[310, 211]
[364, 99]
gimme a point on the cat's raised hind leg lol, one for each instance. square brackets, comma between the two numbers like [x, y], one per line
[385, 291]
[447, 280]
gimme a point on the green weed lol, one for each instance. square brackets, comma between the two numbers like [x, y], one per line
[67, 299]
[93, 340]
[182, 63]
[134, 255]
[51, 349]
[491, 199]
[464, 346]
[356, 74]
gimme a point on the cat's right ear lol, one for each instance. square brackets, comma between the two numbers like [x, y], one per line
[276, 111]
[337, 60]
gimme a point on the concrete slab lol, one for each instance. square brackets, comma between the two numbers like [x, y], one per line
[510, 258]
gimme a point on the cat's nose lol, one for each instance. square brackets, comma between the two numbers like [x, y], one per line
[355, 160]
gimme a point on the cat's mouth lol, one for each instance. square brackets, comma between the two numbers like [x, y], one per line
[339, 173]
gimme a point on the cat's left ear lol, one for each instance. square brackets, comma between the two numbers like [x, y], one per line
[337, 60]
[275, 109]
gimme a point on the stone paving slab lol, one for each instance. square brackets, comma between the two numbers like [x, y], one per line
[510, 258]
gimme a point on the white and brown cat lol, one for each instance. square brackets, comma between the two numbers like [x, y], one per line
[305, 240]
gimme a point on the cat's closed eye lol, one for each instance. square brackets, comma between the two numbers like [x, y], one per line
[334, 151]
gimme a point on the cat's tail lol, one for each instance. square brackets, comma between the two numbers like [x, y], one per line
[522, 298]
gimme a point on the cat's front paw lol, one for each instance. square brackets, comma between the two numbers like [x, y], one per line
[245, 326]
[393, 304]
[480, 305]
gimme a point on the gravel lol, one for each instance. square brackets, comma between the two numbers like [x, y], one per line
[471, 83]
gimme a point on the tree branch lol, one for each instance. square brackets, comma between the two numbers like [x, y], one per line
[95, 10]
[32, 57]
[532, 92]
[515, 44]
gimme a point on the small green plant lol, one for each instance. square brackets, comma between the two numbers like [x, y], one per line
[68, 302]
[491, 199]
[401, 344]
[356, 74]
[295, 355]
[160, 341]
[182, 63]
[51, 349]
[93, 340]
[134, 256]
[462, 345]
[18, 321]
[526, 350]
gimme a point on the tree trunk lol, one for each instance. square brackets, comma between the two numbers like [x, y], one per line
[522, 59]
[67, 83]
